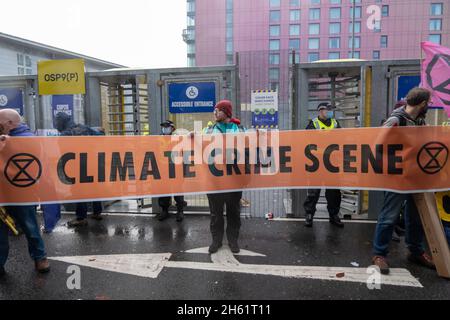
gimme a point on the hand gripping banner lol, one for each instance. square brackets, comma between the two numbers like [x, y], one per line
[72, 169]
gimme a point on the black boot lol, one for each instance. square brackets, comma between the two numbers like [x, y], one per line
[164, 214]
[2, 271]
[309, 220]
[234, 247]
[215, 245]
[335, 220]
[180, 215]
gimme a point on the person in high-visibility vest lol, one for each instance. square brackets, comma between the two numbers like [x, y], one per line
[324, 121]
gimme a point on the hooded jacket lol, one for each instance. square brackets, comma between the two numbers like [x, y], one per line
[400, 118]
[21, 131]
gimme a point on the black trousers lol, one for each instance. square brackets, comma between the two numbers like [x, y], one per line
[164, 202]
[333, 197]
[232, 201]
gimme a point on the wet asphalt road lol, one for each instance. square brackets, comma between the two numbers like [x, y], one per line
[283, 243]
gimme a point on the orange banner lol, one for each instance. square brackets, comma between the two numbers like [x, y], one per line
[70, 169]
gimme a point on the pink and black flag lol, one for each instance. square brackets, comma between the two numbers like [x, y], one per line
[436, 74]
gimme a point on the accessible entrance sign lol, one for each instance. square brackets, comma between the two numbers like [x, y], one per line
[192, 97]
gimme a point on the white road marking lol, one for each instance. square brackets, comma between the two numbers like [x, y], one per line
[324, 220]
[150, 265]
[241, 253]
[142, 265]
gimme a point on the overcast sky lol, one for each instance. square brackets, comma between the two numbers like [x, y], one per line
[135, 33]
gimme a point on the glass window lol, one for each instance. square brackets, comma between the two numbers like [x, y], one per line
[229, 18]
[334, 43]
[229, 32]
[191, 48]
[274, 3]
[20, 59]
[190, 21]
[335, 27]
[20, 70]
[314, 1]
[334, 55]
[313, 56]
[384, 41]
[313, 43]
[436, 38]
[28, 61]
[274, 58]
[274, 86]
[357, 27]
[191, 6]
[274, 73]
[314, 28]
[230, 59]
[274, 44]
[229, 5]
[385, 11]
[274, 31]
[294, 3]
[335, 1]
[335, 13]
[294, 30]
[357, 42]
[294, 44]
[191, 62]
[274, 15]
[377, 26]
[314, 14]
[356, 55]
[229, 46]
[435, 25]
[436, 9]
[294, 15]
[376, 55]
[357, 13]
[297, 58]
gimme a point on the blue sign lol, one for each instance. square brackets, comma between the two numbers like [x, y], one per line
[406, 83]
[12, 98]
[192, 97]
[62, 103]
[265, 119]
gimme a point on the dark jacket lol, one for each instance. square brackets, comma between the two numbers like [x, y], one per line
[327, 122]
[399, 118]
[66, 127]
[21, 131]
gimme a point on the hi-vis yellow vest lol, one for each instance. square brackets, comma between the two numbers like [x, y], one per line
[443, 205]
[322, 126]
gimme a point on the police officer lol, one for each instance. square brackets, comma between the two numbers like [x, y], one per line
[324, 121]
[167, 128]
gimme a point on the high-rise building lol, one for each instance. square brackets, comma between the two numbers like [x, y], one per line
[314, 29]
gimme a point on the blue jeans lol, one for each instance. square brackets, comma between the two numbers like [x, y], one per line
[388, 218]
[25, 218]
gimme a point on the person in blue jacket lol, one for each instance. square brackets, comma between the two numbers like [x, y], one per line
[24, 216]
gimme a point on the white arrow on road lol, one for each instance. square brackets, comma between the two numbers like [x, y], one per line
[150, 265]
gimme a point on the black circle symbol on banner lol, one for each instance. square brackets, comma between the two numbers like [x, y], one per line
[25, 177]
[442, 87]
[432, 157]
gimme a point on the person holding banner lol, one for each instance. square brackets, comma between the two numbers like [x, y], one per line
[324, 121]
[66, 127]
[224, 124]
[168, 128]
[413, 114]
[24, 216]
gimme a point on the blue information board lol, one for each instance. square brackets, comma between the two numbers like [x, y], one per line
[12, 98]
[406, 83]
[62, 103]
[192, 97]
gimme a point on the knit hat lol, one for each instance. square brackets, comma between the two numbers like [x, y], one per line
[225, 106]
